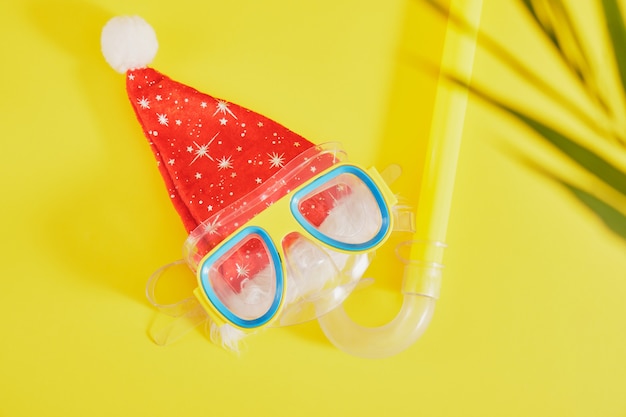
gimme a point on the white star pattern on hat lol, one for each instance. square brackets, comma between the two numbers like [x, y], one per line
[208, 150]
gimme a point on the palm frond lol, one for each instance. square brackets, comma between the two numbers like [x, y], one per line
[617, 35]
[614, 219]
[554, 20]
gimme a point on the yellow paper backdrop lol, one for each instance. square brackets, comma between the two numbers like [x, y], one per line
[532, 317]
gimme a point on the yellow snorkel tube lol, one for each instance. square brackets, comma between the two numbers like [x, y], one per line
[423, 265]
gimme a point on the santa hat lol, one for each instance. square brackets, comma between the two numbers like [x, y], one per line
[210, 152]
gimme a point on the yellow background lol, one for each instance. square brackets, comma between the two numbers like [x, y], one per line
[532, 317]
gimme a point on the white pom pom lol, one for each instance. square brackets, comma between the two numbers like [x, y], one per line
[128, 42]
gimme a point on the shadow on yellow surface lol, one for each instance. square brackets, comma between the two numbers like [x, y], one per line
[94, 226]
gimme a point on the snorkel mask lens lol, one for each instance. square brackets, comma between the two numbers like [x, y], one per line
[243, 279]
[344, 209]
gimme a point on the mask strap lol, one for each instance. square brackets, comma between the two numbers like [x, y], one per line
[174, 319]
[391, 173]
[403, 218]
[403, 215]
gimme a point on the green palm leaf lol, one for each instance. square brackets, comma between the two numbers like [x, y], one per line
[609, 215]
[556, 23]
[617, 34]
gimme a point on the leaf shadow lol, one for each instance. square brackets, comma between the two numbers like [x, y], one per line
[611, 217]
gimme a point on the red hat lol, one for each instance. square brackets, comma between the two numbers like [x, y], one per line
[211, 153]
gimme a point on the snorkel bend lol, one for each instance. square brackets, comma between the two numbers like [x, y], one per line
[420, 291]
[423, 266]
